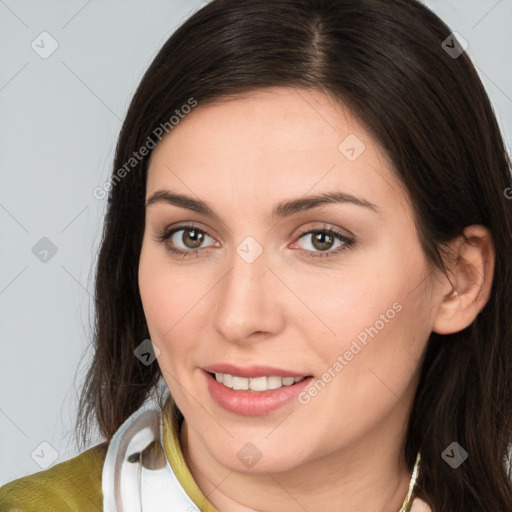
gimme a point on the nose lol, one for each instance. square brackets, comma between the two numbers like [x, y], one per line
[249, 302]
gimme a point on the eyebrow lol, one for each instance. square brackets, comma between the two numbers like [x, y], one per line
[283, 209]
[290, 207]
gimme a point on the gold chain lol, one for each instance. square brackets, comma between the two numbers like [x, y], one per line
[406, 505]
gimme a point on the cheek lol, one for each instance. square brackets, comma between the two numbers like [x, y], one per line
[367, 373]
[377, 297]
[168, 297]
[168, 300]
[380, 322]
[357, 301]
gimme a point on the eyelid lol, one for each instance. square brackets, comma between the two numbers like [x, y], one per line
[347, 241]
[168, 234]
[325, 227]
[167, 230]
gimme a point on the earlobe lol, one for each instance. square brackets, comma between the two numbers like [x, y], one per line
[472, 274]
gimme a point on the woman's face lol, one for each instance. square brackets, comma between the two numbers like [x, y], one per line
[271, 283]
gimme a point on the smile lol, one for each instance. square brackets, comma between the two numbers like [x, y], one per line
[256, 395]
[257, 384]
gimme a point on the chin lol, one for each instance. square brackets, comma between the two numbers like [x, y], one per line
[251, 459]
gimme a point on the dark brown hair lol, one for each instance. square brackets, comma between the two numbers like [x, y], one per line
[384, 60]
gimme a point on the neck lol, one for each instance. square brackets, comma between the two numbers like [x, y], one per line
[367, 475]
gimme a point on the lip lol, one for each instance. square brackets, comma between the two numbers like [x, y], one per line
[253, 403]
[251, 371]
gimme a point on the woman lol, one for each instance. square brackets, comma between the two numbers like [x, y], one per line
[307, 244]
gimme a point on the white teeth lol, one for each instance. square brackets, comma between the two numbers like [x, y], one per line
[240, 383]
[227, 380]
[274, 382]
[258, 384]
[255, 383]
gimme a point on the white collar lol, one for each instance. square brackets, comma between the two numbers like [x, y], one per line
[136, 474]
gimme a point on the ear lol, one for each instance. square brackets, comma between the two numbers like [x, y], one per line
[472, 275]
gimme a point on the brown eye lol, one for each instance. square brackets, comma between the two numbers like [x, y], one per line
[322, 241]
[187, 239]
[192, 238]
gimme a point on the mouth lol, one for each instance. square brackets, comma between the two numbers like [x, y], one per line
[257, 395]
[255, 384]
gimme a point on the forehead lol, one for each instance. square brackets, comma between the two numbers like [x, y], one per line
[276, 118]
[270, 143]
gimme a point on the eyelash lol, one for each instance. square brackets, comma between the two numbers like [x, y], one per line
[348, 242]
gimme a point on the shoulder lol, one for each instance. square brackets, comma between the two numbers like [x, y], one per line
[71, 485]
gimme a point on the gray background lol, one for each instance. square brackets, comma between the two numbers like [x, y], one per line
[60, 117]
